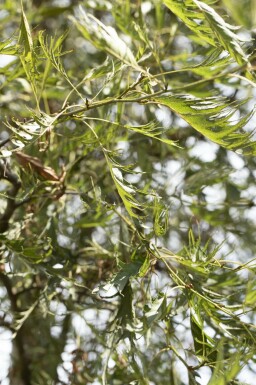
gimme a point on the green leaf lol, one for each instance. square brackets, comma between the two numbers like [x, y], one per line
[157, 310]
[125, 313]
[207, 24]
[224, 32]
[225, 371]
[104, 37]
[94, 216]
[53, 11]
[34, 254]
[152, 131]
[145, 266]
[125, 190]
[121, 279]
[8, 48]
[214, 63]
[199, 337]
[212, 118]
[27, 55]
[25, 38]
[161, 217]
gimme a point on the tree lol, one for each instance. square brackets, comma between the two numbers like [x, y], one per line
[127, 213]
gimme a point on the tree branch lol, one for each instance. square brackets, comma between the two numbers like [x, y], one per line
[7, 174]
[25, 372]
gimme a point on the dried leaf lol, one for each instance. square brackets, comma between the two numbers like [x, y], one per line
[35, 164]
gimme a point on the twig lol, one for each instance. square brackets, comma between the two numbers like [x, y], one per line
[90, 106]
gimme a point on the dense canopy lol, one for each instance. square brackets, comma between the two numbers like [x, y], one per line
[127, 192]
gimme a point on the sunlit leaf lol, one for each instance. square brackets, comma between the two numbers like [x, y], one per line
[212, 117]
[103, 37]
[205, 22]
[126, 191]
[27, 56]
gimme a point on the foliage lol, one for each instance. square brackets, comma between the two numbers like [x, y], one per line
[127, 209]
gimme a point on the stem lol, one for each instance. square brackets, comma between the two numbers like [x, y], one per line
[91, 106]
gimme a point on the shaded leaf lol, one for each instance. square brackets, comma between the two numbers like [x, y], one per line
[157, 310]
[121, 279]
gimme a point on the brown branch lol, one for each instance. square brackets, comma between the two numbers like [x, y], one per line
[6, 325]
[25, 372]
[8, 286]
[7, 174]
[3, 142]
[61, 343]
